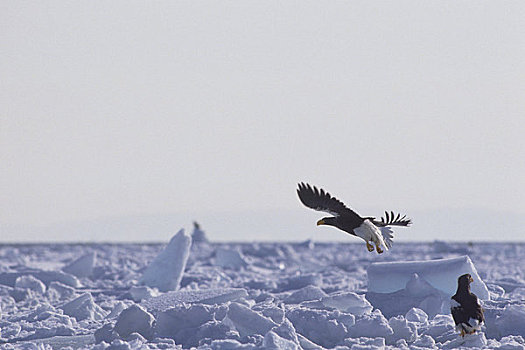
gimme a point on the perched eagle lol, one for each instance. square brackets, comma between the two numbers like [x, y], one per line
[368, 228]
[465, 307]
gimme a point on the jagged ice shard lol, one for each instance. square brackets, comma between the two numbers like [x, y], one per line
[166, 270]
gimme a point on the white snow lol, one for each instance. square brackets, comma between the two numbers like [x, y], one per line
[166, 270]
[277, 296]
[442, 274]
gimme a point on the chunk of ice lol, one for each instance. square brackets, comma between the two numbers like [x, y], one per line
[247, 321]
[166, 270]
[83, 307]
[135, 319]
[305, 294]
[274, 341]
[403, 329]
[442, 274]
[319, 326]
[230, 258]
[511, 321]
[373, 325]
[350, 302]
[416, 315]
[30, 282]
[209, 296]
[81, 267]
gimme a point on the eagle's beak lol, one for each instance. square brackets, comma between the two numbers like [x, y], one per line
[320, 222]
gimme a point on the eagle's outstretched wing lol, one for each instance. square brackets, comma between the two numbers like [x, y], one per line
[391, 219]
[320, 200]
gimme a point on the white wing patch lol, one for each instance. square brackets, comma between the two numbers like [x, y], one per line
[370, 232]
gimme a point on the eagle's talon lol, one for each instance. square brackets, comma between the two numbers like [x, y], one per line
[369, 247]
[379, 250]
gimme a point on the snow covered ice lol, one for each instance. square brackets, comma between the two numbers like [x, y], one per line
[255, 296]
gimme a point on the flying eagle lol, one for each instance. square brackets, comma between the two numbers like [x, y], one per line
[465, 307]
[368, 228]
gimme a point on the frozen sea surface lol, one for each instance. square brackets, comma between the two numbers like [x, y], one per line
[254, 295]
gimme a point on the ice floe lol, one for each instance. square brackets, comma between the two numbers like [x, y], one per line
[254, 296]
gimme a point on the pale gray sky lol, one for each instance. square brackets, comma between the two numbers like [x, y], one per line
[193, 108]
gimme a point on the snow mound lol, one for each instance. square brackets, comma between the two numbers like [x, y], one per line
[83, 266]
[166, 270]
[230, 258]
[442, 274]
